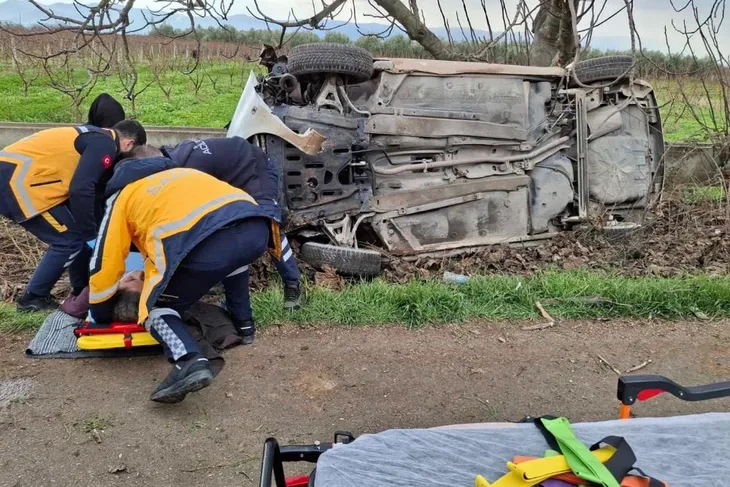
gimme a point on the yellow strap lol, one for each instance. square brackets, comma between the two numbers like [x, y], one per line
[58, 226]
[528, 474]
[275, 251]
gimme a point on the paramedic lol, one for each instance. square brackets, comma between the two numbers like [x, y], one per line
[52, 183]
[194, 231]
[245, 166]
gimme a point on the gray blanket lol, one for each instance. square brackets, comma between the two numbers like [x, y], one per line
[685, 451]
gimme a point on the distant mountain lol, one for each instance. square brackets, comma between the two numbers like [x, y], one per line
[24, 13]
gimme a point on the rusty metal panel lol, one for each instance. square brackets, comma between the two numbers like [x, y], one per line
[435, 127]
[488, 98]
[484, 219]
[406, 199]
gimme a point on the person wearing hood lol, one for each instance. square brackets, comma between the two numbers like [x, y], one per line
[247, 167]
[193, 231]
[105, 112]
[52, 184]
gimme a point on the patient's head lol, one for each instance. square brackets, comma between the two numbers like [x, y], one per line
[145, 151]
[126, 299]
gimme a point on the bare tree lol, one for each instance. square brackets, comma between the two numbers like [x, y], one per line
[540, 29]
[547, 31]
[25, 66]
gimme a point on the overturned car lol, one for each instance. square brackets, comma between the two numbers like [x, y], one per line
[422, 157]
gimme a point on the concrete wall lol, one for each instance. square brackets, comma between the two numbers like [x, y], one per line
[10, 132]
[692, 163]
[686, 163]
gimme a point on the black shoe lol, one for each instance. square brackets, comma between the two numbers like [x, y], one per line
[246, 330]
[186, 376]
[32, 303]
[292, 297]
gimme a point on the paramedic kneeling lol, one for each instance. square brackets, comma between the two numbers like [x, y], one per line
[52, 183]
[194, 231]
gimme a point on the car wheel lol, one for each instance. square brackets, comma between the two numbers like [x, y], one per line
[607, 68]
[345, 260]
[353, 63]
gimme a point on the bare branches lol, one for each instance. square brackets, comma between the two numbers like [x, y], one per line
[313, 22]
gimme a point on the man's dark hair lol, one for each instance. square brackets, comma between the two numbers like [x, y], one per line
[131, 129]
[126, 306]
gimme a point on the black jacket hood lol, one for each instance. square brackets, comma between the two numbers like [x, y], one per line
[105, 112]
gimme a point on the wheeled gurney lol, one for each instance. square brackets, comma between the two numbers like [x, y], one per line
[690, 451]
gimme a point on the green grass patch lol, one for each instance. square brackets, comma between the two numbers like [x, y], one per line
[211, 106]
[11, 320]
[703, 194]
[567, 295]
[575, 294]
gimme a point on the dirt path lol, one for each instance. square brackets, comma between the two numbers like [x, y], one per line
[301, 384]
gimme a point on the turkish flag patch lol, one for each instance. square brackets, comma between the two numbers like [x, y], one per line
[107, 160]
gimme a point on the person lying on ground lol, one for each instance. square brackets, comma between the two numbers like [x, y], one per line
[78, 306]
[105, 112]
[52, 183]
[194, 231]
[245, 166]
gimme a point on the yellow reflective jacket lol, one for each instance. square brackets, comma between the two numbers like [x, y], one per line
[164, 215]
[38, 170]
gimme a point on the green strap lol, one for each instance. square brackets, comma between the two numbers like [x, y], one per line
[582, 462]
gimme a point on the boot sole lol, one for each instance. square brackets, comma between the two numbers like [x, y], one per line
[177, 392]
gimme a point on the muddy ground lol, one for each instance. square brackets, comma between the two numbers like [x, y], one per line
[89, 422]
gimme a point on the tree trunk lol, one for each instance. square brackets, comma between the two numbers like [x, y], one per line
[547, 32]
[416, 30]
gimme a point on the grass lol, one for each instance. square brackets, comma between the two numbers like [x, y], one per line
[703, 194]
[567, 295]
[11, 320]
[680, 124]
[210, 107]
[213, 106]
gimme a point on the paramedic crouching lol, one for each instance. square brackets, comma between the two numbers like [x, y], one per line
[194, 231]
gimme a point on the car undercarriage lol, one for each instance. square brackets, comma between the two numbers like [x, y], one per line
[422, 157]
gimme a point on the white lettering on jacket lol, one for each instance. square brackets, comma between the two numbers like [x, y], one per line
[200, 144]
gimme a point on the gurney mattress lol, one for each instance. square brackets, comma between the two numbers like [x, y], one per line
[685, 451]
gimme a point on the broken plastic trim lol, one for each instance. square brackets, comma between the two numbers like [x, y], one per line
[253, 116]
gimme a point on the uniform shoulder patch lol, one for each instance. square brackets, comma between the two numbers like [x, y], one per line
[107, 160]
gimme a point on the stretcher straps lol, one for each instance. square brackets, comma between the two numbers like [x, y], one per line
[619, 465]
[621, 462]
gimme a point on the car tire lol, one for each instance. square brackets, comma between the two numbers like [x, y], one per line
[345, 260]
[353, 63]
[607, 68]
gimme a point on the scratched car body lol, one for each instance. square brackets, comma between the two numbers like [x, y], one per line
[423, 157]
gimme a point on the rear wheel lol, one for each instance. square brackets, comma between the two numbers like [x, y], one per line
[345, 260]
[352, 63]
[607, 68]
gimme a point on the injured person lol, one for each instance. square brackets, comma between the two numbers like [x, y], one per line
[125, 310]
[193, 231]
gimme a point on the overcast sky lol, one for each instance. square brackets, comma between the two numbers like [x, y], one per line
[651, 16]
